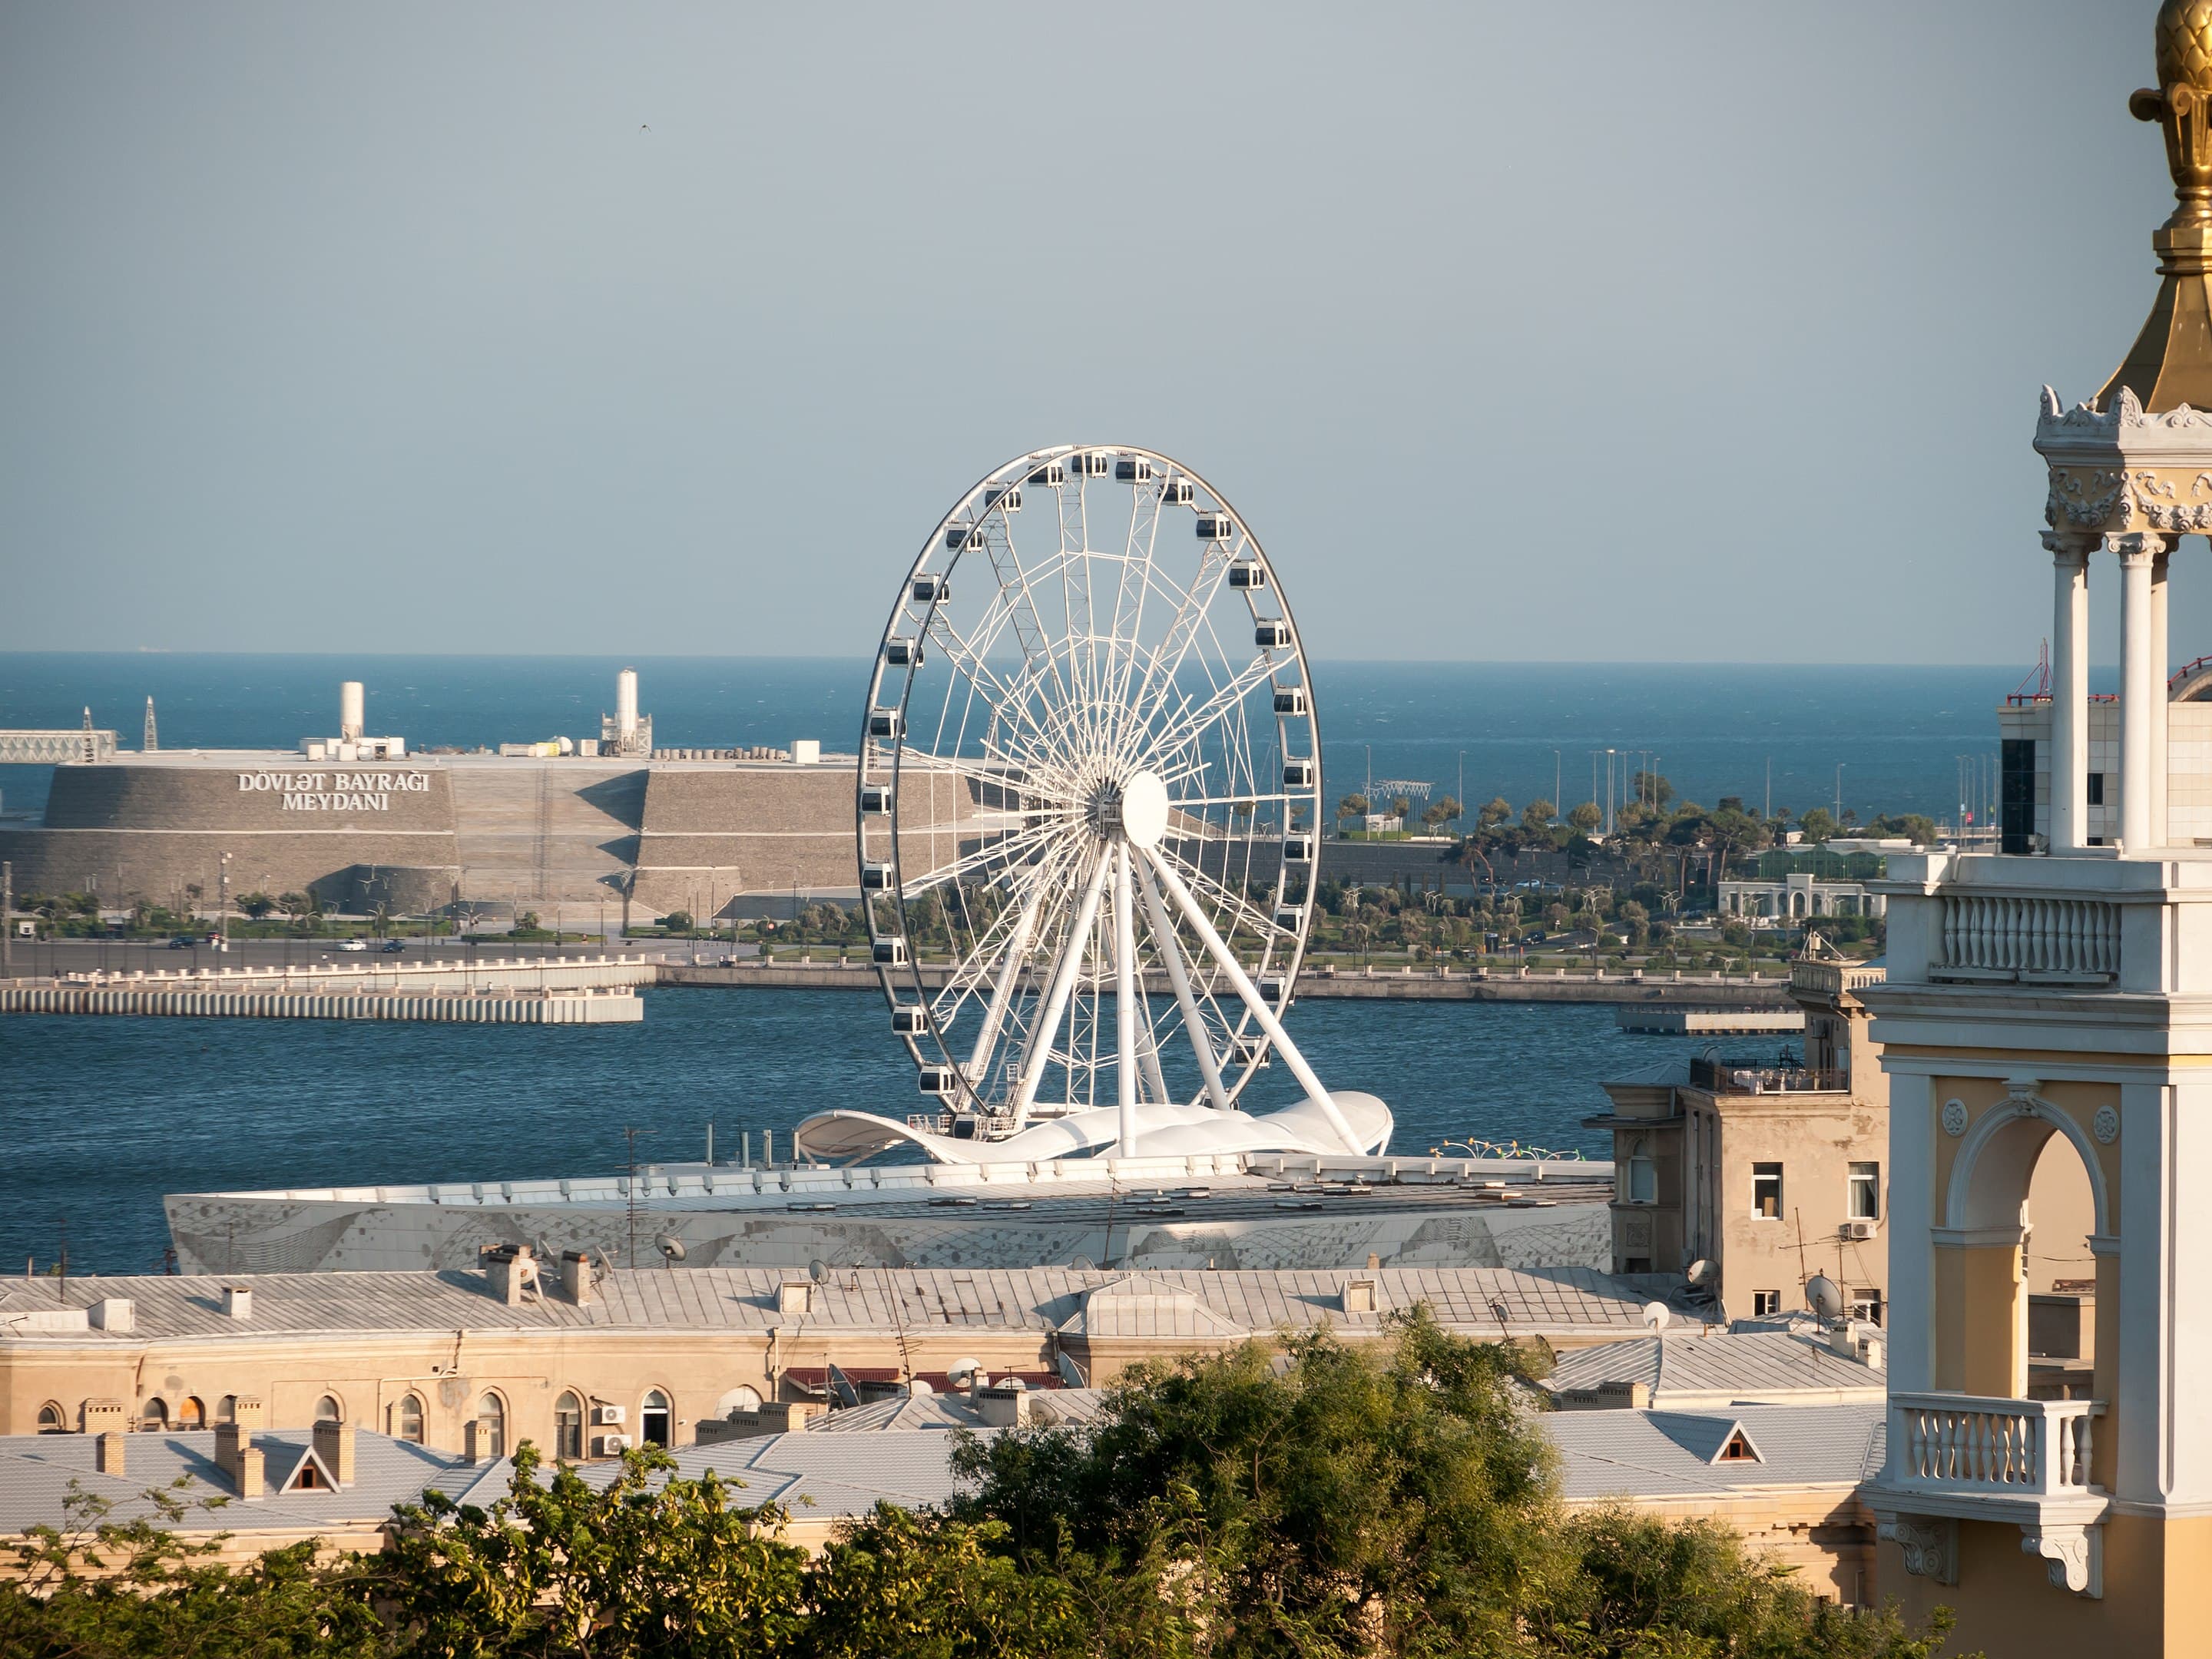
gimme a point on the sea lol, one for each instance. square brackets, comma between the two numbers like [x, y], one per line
[100, 1117]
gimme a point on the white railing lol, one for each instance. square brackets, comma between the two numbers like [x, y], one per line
[1959, 1443]
[2029, 935]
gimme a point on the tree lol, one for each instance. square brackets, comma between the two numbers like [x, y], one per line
[1439, 812]
[255, 905]
[1401, 807]
[1818, 826]
[1651, 788]
[1586, 818]
[1497, 812]
[1352, 806]
[1536, 817]
[1919, 827]
[1636, 921]
[676, 921]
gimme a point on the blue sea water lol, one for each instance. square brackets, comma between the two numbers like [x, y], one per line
[99, 1117]
[1475, 730]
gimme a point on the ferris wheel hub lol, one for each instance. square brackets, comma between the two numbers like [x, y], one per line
[1133, 810]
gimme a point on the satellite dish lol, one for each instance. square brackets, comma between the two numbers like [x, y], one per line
[818, 1271]
[1656, 1315]
[842, 1391]
[1701, 1271]
[671, 1247]
[920, 1389]
[1824, 1297]
[960, 1370]
[1083, 1264]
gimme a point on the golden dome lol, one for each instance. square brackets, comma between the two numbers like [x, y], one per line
[2184, 44]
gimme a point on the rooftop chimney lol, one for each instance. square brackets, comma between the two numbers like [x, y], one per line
[236, 1455]
[350, 712]
[334, 1445]
[107, 1453]
[576, 1277]
[511, 1271]
[102, 1417]
[238, 1301]
[110, 1313]
[795, 1295]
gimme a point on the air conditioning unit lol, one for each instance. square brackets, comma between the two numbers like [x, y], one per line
[613, 1445]
[609, 1415]
[1860, 1230]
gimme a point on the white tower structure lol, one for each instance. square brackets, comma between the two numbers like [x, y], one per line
[628, 732]
[350, 711]
[2047, 1018]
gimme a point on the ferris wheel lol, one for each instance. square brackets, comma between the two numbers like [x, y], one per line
[1088, 801]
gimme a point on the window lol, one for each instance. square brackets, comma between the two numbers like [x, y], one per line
[1642, 1183]
[1766, 1191]
[568, 1427]
[491, 1426]
[191, 1414]
[1866, 1192]
[1866, 1303]
[2016, 795]
[51, 1420]
[327, 1410]
[2096, 788]
[1765, 1305]
[407, 1419]
[652, 1420]
[1739, 1449]
[156, 1416]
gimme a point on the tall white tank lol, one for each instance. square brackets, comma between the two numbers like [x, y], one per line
[626, 702]
[350, 710]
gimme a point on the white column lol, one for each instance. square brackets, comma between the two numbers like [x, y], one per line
[1125, 1005]
[2136, 552]
[2069, 689]
[2160, 759]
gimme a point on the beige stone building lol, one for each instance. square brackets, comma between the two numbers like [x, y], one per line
[579, 1364]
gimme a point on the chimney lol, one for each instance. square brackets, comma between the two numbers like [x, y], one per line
[511, 1271]
[1006, 1408]
[334, 1445]
[576, 1277]
[103, 1417]
[238, 1301]
[107, 1453]
[1358, 1296]
[247, 1413]
[110, 1313]
[476, 1442]
[350, 712]
[795, 1295]
[236, 1455]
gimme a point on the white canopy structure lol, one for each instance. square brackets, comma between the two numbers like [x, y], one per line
[1089, 793]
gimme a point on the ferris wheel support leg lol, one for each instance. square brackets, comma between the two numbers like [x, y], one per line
[1234, 970]
[1063, 987]
[1125, 1004]
[1003, 993]
[1163, 935]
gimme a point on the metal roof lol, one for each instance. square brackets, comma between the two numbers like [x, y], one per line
[1750, 1366]
[1670, 1454]
[924, 1412]
[1172, 1303]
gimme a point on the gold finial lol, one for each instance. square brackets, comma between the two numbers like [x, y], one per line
[2182, 105]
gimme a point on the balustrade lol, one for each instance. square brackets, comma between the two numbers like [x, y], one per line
[1958, 1444]
[2009, 936]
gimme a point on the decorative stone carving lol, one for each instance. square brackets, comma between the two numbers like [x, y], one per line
[1635, 1232]
[2075, 1555]
[2105, 1125]
[1954, 1118]
[1930, 1543]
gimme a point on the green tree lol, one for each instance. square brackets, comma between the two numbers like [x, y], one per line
[1919, 827]
[255, 905]
[1496, 812]
[1439, 812]
[1536, 817]
[1818, 826]
[676, 921]
[1352, 806]
[1586, 818]
[1401, 807]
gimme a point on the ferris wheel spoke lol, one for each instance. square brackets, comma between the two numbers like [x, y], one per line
[1191, 723]
[1191, 616]
[1169, 948]
[1132, 583]
[1244, 913]
[1226, 960]
[1006, 699]
[1005, 852]
[1073, 953]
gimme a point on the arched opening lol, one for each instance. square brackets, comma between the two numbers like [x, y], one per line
[192, 1414]
[568, 1427]
[653, 1420]
[738, 1402]
[2026, 1198]
[491, 1426]
[226, 1409]
[156, 1416]
[51, 1420]
[328, 1410]
[407, 1419]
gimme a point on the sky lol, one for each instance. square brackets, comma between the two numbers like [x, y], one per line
[1695, 332]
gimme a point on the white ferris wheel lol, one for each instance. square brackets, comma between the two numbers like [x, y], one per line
[1089, 810]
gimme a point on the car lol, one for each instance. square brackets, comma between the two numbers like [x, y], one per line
[353, 944]
[393, 947]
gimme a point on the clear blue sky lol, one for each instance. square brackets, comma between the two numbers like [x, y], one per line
[1691, 331]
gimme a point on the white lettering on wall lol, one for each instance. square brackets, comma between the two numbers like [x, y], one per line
[347, 792]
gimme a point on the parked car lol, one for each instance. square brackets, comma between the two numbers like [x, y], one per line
[353, 944]
[182, 942]
[393, 947]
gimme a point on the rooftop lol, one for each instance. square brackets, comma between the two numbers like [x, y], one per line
[1701, 1369]
[1678, 1454]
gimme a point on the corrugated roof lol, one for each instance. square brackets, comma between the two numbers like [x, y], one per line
[1669, 1453]
[1765, 1363]
[875, 1299]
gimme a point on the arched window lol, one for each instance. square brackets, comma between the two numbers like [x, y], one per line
[156, 1414]
[51, 1420]
[652, 1420]
[491, 1426]
[739, 1400]
[568, 1427]
[327, 1410]
[192, 1414]
[407, 1419]
[226, 1409]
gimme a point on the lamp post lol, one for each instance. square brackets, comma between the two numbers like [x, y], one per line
[1556, 784]
[1839, 792]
